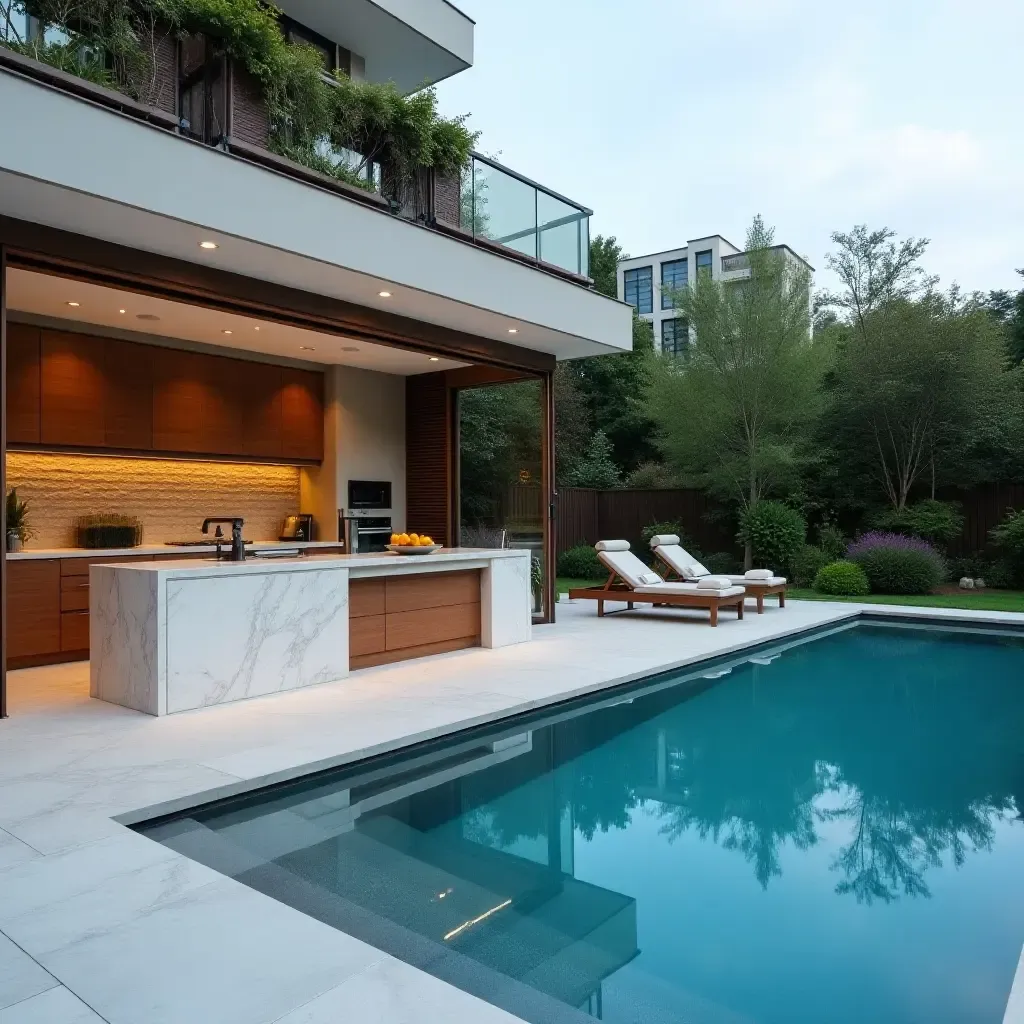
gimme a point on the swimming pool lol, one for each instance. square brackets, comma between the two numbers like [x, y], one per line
[824, 830]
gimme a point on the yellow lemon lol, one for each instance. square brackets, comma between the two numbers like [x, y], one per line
[404, 540]
[414, 539]
[395, 538]
[427, 541]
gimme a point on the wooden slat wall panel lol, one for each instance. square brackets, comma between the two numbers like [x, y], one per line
[428, 455]
[23, 386]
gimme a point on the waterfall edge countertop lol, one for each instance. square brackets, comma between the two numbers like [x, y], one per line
[177, 635]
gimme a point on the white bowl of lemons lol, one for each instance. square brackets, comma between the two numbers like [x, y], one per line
[412, 544]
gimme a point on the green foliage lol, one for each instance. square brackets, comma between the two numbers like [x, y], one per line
[581, 563]
[842, 579]
[666, 527]
[774, 532]
[75, 57]
[1008, 537]
[939, 522]
[597, 467]
[572, 424]
[734, 416]
[901, 570]
[605, 255]
[17, 515]
[831, 541]
[721, 563]
[806, 564]
[1007, 310]
[650, 476]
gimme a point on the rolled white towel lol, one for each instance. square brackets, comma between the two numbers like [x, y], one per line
[714, 583]
[758, 574]
[664, 539]
[612, 545]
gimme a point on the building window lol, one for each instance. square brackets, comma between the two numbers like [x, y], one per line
[296, 33]
[639, 287]
[675, 337]
[673, 277]
[704, 263]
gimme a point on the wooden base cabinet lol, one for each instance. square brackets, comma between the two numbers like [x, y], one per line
[33, 609]
[403, 617]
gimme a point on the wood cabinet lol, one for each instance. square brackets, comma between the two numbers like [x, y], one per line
[22, 383]
[86, 392]
[128, 401]
[71, 389]
[33, 608]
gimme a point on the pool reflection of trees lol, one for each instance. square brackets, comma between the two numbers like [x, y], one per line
[918, 764]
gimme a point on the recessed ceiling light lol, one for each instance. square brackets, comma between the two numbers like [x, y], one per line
[255, 328]
[74, 304]
[384, 295]
[146, 316]
[208, 245]
[122, 311]
[513, 330]
[306, 348]
[434, 359]
[225, 332]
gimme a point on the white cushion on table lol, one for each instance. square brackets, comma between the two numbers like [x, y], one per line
[758, 574]
[714, 583]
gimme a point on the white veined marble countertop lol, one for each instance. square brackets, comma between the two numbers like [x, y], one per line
[164, 549]
[357, 565]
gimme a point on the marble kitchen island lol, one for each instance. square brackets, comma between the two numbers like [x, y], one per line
[173, 636]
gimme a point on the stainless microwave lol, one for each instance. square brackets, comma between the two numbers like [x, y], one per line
[369, 494]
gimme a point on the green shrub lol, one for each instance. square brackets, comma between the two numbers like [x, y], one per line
[672, 526]
[939, 522]
[806, 564]
[842, 579]
[1008, 538]
[581, 563]
[722, 563]
[897, 564]
[832, 542]
[776, 533]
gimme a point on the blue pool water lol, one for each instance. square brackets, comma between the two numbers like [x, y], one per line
[825, 832]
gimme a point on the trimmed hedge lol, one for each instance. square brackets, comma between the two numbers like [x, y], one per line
[897, 564]
[581, 563]
[842, 579]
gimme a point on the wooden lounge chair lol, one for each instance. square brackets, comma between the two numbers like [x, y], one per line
[632, 582]
[681, 565]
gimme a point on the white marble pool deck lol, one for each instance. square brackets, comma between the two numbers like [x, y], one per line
[100, 924]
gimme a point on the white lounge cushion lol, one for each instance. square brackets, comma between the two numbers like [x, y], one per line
[687, 588]
[714, 583]
[682, 561]
[625, 564]
[612, 545]
[758, 574]
[664, 538]
[769, 581]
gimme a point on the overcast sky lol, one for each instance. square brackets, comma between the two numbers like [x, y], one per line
[674, 119]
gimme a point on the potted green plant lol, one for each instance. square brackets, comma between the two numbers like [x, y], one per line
[18, 530]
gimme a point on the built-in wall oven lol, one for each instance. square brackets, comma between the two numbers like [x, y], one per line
[365, 525]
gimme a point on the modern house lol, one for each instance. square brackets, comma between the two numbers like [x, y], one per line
[194, 325]
[647, 282]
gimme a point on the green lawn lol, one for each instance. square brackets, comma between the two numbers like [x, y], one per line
[984, 600]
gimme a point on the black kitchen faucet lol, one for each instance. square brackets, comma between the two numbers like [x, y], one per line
[237, 544]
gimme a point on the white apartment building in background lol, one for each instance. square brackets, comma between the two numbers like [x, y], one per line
[648, 282]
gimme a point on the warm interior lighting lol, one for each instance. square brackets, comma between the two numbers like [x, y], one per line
[122, 311]
[384, 295]
[476, 920]
[306, 348]
[255, 328]
[208, 245]
[513, 330]
[225, 332]
[434, 359]
[74, 304]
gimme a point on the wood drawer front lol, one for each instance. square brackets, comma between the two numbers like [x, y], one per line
[432, 625]
[33, 607]
[435, 590]
[74, 631]
[366, 635]
[365, 597]
[74, 593]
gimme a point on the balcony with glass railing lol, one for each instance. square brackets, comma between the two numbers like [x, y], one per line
[504, 208]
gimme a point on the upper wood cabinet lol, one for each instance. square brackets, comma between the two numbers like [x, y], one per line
[72, 389]
[128, 403]
[22, 383]
[302, 414]
[80, 391]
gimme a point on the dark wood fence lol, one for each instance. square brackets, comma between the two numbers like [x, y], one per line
[586, 516]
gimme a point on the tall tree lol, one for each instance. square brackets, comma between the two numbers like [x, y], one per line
[605, 255]
[1007, 309]
[920, 394]
[733, 415]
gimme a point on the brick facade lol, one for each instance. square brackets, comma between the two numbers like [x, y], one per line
[161, 47]
[448, 200]
[250, 121]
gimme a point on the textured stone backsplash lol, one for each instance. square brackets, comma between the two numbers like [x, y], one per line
[170, 497]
